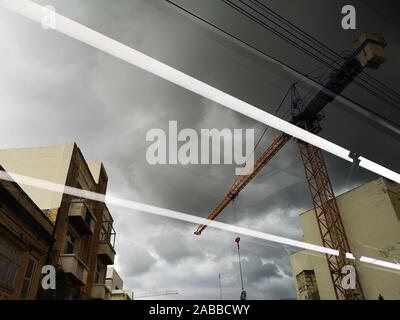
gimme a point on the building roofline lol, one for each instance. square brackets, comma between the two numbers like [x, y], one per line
[348, 191]
[31, 202]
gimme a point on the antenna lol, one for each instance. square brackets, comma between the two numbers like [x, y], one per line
[156, 294]
[220, 287]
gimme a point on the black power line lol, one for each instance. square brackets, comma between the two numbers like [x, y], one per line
[389, 126]
[253, 16]
[325, 48]
[318, 43]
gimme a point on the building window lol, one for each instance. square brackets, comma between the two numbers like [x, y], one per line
[4, 271]
[27, 279]
[11, 276]
[70, 243]
[9, 261]
[88, 217]
[99, 276]
[103, 235]
[107, 233]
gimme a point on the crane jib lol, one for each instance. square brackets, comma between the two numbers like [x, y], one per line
[309, 116]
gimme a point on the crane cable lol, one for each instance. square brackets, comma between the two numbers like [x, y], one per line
[262, 136]
[388, 125]
[319, 43]
[306, 51]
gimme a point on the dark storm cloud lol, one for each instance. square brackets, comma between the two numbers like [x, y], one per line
[107, 107]
[173, 251]
[256, 270]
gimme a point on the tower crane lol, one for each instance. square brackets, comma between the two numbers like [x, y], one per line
[368, 54]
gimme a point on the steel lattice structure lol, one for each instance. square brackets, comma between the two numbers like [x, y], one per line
[328, 217]
[307, 116]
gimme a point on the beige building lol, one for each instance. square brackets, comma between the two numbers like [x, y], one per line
[116, 286]
[371, 218]
[82, 229]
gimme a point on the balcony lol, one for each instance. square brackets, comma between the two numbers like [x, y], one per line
[122, 295]
[101, 291]
[106, 252]
[81, 217]
[105, 249]
[73, 266]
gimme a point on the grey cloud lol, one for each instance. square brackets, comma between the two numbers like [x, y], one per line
[256, 270]
[55, 89]
[137, 258]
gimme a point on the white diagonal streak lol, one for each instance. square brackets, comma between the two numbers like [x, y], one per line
[134, 205]
[97, 40]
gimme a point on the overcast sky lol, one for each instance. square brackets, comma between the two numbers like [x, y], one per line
[54, 89]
